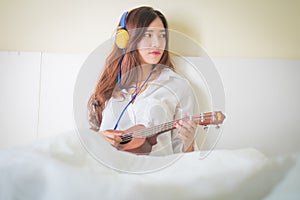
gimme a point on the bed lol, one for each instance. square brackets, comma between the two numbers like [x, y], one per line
[62, 168]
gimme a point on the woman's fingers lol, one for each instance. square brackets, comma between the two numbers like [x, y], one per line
[186, 132]
[113, 135]
[186, 126]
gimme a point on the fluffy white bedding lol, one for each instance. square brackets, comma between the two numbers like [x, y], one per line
[61, 168]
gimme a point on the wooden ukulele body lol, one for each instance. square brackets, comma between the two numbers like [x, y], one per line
[138, 145]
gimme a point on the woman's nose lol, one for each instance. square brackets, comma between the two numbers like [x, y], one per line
[155, 41]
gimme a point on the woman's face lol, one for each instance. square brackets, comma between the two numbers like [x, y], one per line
[152, 45]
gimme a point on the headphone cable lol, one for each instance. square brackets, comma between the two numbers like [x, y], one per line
[133, 98]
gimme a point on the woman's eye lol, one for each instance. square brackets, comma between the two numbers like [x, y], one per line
[163, 35]
[147, 35]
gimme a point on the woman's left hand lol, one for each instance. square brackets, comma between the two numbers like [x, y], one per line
[186, 131]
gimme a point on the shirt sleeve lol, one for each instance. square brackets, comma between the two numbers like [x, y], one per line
[187, 105]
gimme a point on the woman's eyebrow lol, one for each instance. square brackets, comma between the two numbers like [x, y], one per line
[151, 30]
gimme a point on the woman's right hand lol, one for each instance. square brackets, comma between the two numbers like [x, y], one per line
[113, 136]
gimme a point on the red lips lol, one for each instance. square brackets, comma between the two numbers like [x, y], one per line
[155, 53]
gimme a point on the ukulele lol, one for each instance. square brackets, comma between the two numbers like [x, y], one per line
[139, 140]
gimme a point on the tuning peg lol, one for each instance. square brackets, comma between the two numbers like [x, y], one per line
[205, 128]
[217, 126]
[213, 117]
[202, 117]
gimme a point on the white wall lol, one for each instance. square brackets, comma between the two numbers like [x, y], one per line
[262, 98]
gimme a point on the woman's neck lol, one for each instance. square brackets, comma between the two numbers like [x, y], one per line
[145, 71]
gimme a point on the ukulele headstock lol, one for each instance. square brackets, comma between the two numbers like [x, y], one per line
[210, 118]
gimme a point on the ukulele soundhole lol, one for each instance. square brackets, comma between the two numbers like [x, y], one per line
[126, 138]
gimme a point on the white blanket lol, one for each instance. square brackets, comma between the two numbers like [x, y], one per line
[60, 168]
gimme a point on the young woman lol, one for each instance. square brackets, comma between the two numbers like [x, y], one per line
[139, 87]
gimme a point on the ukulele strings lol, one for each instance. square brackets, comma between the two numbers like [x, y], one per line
[151, 130]
[148, 131]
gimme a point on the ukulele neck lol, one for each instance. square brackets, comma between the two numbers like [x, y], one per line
[204, 119]
[148, 132]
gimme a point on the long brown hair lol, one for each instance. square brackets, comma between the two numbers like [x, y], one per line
[138, 18]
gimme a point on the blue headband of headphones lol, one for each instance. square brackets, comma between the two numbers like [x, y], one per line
[123, 20]
[122, 26]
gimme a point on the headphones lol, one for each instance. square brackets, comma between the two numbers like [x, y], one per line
[122, 35]
[121, 40]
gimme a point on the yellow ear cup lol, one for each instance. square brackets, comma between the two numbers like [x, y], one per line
[122, 38]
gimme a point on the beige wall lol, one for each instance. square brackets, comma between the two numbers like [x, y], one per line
[225, 28]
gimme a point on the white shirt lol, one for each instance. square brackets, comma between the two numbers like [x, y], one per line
[165, 99]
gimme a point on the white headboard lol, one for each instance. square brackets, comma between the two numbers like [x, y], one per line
[262, 99]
